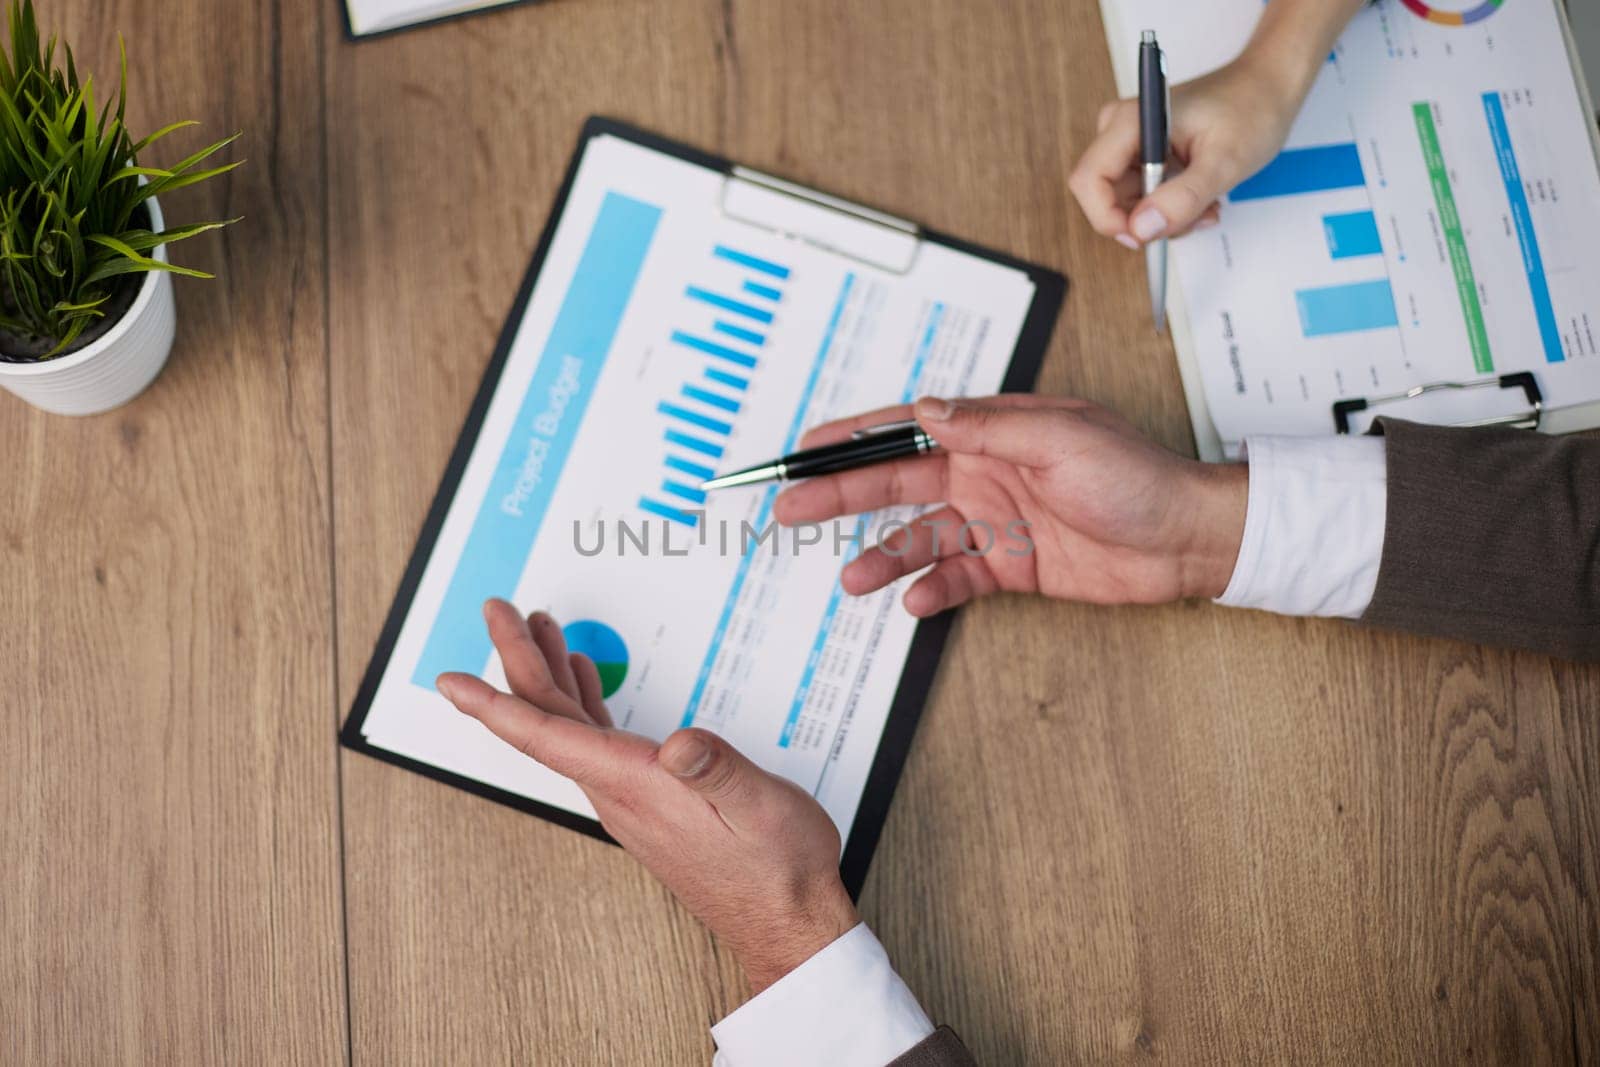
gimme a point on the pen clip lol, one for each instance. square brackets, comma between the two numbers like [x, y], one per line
[882, 427]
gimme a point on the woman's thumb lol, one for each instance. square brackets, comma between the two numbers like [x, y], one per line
[1177, 204]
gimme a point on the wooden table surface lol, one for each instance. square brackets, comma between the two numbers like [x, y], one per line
[1187, 832]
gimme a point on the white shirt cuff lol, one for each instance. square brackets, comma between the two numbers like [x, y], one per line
[1313, 528]
[844, 1007]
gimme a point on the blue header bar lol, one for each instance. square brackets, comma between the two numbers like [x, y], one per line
[519, 492]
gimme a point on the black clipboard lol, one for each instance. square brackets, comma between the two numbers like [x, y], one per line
[916, 679]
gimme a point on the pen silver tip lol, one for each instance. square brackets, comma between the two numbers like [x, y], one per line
[1147, 37]
[767, 472]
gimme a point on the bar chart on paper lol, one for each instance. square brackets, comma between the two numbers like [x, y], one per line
[1429, 220]
[721, 349]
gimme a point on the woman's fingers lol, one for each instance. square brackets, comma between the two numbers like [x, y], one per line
[1099, 180]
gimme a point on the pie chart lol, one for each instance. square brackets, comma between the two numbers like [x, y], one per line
[1476, 12]
[603, 645]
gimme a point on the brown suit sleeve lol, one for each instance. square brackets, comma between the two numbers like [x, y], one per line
[1492, 536]
[942, 1048]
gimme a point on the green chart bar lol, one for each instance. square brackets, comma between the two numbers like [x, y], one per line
[1455, 240]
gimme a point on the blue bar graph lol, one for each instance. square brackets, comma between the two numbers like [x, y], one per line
[716, 400]
[1532, 261]
[1346, 308]
[667, 511]
[694, 444]
[732, 381]
[764, 512]
[694, 470]
[694, 418]
[727, 303]
[766, 291]
[711, 348]
[687, 492]
[1305, 170]
[739, 332]
[519, 492]
[755, 263]
[1355, 234]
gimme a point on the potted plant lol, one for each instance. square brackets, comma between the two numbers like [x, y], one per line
[86, 311]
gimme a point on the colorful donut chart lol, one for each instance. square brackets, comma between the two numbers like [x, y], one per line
[1454, 18]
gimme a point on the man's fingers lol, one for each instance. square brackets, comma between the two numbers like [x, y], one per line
[714, 769]
[568, 747]
[918, 480]
[590, 691]
[1030, 435]
[831, 433]
[904, 551]
[1104, 166]
[951, 583]
[553, 645]
[526, 670]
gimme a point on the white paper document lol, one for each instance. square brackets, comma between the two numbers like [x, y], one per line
[667, 339]
[1433, 218]
[381, 16]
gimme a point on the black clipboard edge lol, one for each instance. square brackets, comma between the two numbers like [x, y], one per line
[353, 37]
[927, 644]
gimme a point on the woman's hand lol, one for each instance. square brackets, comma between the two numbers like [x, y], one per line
[1112, 517]
[752, 855]
[1224, 128]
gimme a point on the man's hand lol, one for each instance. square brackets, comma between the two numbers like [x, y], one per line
[752, 855]
[1113, 517]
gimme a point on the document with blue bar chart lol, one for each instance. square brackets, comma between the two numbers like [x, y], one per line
[1432, 219]
[679, 327]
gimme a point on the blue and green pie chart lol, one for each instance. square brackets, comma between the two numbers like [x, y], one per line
[603, 645]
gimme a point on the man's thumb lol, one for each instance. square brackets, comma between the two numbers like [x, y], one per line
[1177, 204]
[710, 766]
[1028, 436]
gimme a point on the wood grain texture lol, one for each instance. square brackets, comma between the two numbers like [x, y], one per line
[170, 825]
[1183, 832]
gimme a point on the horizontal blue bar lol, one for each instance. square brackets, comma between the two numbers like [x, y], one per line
[1346, 308]
[540, 437]
[745, 259]
[727, 303]
[688, 492]
[667, 511]
[1532, 260]
[1355, 234]
[694, 418]
[694, 470]
[711, 348]
[1305, 170]
[694, 444]
[757, 289]
[716, 400]
[740, 332]
[733, 381]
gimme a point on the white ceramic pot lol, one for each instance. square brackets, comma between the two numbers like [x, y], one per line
[118, 365]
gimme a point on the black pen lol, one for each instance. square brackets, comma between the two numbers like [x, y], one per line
[875, 444]
[1153, 146]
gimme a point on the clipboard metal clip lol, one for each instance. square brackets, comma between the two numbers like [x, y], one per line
[833, 225]
[1524, 380]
